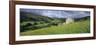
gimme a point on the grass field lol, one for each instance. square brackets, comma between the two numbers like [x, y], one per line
[72, 28]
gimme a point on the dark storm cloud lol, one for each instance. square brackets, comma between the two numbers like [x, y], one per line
[58, 13]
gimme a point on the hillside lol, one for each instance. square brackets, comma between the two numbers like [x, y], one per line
[35, 21]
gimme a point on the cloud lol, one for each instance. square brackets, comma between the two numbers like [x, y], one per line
[58, 13]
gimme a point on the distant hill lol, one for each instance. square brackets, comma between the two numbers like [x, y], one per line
[25, 16]
[83, 18]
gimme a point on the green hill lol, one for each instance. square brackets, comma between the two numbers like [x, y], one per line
[32, 21]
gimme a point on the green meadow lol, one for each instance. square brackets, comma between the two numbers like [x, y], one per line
[82, 26]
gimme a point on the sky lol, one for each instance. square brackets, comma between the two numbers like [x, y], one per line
[58, 13]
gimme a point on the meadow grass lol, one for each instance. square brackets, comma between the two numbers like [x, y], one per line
[71, 28]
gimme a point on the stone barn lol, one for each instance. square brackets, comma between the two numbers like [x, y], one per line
[69, 20]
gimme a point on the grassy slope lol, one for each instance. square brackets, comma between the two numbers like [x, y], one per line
[72, 28]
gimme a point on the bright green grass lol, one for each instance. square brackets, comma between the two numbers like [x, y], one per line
[72, 28]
